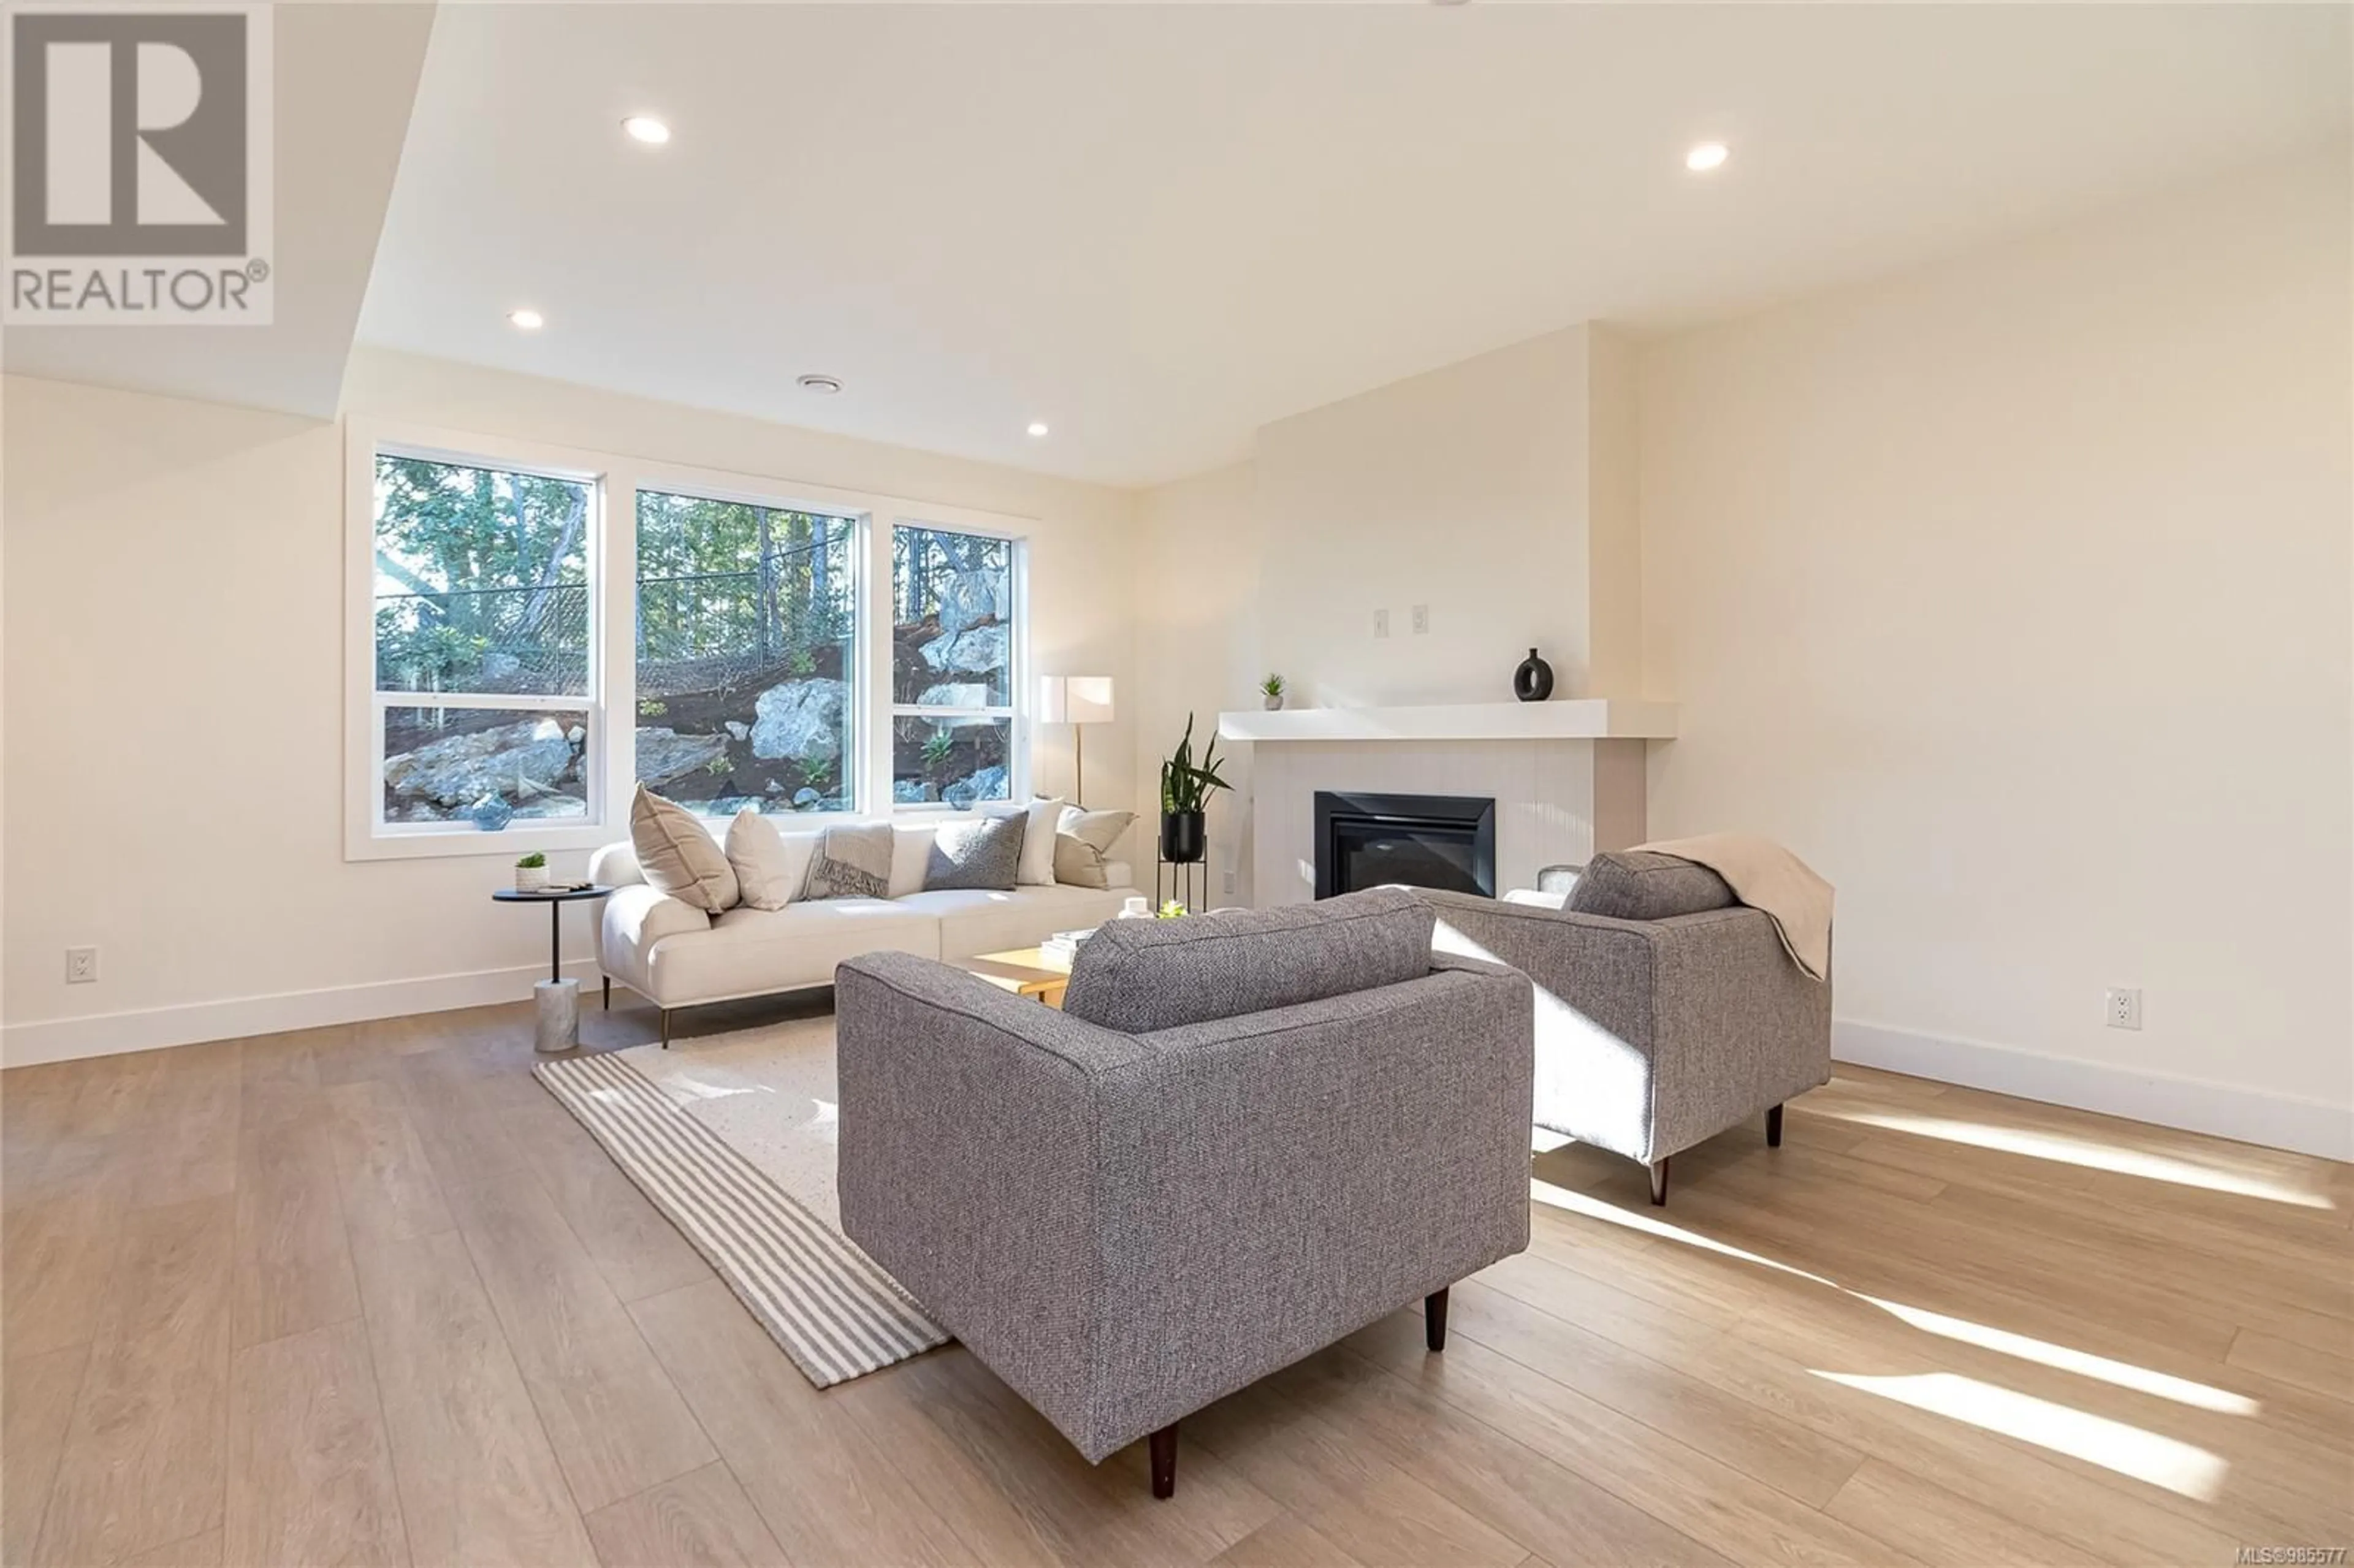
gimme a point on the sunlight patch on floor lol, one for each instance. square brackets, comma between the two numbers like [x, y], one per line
[2179, 1466]
[2084, 1363]
[2091, 1155]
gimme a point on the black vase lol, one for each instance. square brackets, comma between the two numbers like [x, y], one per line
[1184, 835]
[1533, 682]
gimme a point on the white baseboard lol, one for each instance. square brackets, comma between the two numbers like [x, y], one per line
[2250, 1116]
[112, 1034]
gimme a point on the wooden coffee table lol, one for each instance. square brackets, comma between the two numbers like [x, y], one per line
[1025, 971]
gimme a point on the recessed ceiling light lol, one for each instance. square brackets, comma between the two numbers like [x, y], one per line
[646, 128]
[1706, 156]
[528, 319]
[823, 385]
[1037, 427]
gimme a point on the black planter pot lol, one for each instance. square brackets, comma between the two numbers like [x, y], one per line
[1184, 836]
[1533, 682]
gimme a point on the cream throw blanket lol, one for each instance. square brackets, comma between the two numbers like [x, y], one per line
[1764, 875]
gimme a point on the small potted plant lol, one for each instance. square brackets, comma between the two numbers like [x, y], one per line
[1272, 689]
[531, 873]
[1185, 790]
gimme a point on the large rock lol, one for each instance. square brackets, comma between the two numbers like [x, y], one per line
[665, 755]
[956, 695]
[969, 599]
[801, 720]
[989, 784]
[521, 758]
[975, 651]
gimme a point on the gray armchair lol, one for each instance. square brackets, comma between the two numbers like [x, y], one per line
[1653, 1033]
[1247, 1135]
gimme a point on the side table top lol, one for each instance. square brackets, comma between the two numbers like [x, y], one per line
[552, 895]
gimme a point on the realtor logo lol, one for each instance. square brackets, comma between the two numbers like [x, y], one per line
[139, 149]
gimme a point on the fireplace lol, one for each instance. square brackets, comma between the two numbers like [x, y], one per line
[1424, 841]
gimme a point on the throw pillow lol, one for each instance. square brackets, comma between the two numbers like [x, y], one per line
[1083, 845]
[1137, 976]
[981, 853]
[769, 866]
[1644, 885]
[677, 855]
[1037, 868]
[850, 863]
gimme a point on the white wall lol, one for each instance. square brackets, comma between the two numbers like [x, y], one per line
[175, 695]
[2014, 595]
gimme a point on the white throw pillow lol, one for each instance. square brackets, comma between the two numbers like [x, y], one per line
[768, 865]
[677, 853]
[1038, 867]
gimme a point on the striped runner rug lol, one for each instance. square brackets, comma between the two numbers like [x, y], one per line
[825, 1303]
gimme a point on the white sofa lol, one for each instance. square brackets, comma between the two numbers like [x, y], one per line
[676, 955]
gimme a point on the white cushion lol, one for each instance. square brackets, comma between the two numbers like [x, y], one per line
[1038, 867]
[634, 919]
[911, 852]
[982, 921]
[751, 952]
[769, 864]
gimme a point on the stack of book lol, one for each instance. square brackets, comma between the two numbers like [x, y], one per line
[1064, 945]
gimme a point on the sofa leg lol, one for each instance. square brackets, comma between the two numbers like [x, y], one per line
[1659, 1182]
[1773, 1128]
[1434, 1319]
[1164, 1461]
[666, 1028]
[608, 993]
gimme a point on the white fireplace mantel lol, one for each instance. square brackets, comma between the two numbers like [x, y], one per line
[1571, 718]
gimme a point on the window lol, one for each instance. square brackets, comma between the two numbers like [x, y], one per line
[531, 629]
[953, 653]
[747, 645]
[483, 667]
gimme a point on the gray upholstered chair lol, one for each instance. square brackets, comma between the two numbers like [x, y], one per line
[1666, 1012]
[1245, 1137]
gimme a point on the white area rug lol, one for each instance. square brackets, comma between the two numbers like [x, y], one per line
[732, 1139]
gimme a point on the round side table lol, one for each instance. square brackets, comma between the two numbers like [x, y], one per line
[558, 999]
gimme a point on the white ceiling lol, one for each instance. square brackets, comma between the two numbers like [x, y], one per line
[1160, 228]
[344, 74]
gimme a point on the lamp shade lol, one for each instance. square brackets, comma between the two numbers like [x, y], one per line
[1074, 699]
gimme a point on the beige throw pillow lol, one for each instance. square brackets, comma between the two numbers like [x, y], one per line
[769, 866]
[677, 855]
[1083, 845]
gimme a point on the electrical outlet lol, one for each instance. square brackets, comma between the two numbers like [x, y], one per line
[81, 966]
[2125, 1009]
[1230, 881]
[1421, 619]
[1381, 623]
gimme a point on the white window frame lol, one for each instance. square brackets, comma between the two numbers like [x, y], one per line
[1018, 710]
[611, 704]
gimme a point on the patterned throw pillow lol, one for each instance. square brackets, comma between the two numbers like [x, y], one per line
[1083, 845]
[984, 852]
[850, 863]
[678, 855]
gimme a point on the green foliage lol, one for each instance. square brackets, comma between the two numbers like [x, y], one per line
[1170, 910]
[818, 775]
[938, 746]
[531, 862]
[651, 708]
[717, 766]
[1272, 685]
[1185, 785]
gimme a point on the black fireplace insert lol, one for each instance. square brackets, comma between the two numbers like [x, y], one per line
[1423, 841]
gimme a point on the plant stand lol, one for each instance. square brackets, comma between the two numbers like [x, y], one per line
[1185, 879]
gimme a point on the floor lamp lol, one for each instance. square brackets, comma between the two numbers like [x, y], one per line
[1078, 701]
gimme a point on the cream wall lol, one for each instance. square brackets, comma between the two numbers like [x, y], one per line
[175, 695]
[2014, 595]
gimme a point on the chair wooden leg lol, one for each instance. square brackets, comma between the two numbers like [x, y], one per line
[666, 1028]
[1659, 1182]
[1434, 1319]
[1773, 1128]
[1164, 1461]
[608, 993]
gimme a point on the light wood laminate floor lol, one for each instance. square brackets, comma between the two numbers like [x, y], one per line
[366, 1295]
